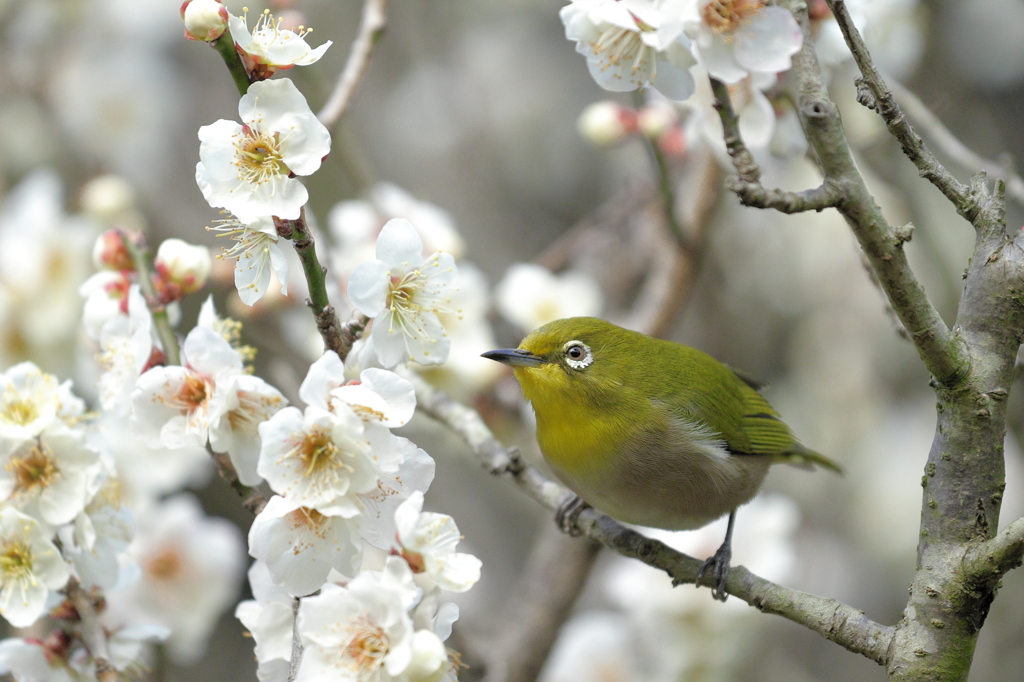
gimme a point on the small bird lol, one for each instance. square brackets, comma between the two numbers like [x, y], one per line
[650, 432]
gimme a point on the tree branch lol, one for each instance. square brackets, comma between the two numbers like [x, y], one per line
[873, 93]
[748, 185]
[316, 280]
[370, 29]
[296, 658]
[832, 619]
[943, 353]
[945, 140]
[988, 562]
[93, 637]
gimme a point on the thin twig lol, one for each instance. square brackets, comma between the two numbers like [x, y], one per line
[832, 619]
[943, 352]
[93, 637]
[296, 658]
[873, 93]
[316, 280]
[370, 29]
[139, 252]
[225, 46]
[990, 560]
[748, 185]
[945, 140]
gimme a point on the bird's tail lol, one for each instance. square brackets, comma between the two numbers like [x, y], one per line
[804, 458]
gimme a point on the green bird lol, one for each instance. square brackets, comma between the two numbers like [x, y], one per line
[650, 432]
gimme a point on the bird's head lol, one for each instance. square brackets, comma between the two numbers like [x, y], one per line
[581, 357]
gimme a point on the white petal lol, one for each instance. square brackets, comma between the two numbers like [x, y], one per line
[767, 41]
[324, 375]
[368, 287]
[399, 245]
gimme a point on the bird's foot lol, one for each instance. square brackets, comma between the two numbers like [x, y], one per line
[718, 565]
[568, 513]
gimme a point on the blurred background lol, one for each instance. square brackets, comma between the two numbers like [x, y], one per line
[470, 112]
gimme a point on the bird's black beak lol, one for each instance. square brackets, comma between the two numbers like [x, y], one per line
[515, 357]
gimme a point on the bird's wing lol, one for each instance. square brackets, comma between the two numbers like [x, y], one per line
[769, 435]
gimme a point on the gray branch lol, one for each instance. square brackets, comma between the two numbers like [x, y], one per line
[371, 27]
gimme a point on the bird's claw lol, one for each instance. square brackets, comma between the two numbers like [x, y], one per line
[718, 565]
[568, 513]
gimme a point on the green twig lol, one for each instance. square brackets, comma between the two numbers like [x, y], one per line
[331, 331]
[225, 46]
[139, 253]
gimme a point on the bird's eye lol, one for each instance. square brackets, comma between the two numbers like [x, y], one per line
[578, 354]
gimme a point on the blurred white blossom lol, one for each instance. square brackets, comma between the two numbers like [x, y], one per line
[531, 295]
[31, 567]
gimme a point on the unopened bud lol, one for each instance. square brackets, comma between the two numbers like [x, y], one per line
[205, 20]
[656, 118]
[183, 265]
[107, 197]
[673, 142]
[606, 123]
[109, 252]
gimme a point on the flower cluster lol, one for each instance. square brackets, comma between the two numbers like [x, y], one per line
[346, 486]
[636, 44]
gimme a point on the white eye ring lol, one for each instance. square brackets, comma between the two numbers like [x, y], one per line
[580, 362]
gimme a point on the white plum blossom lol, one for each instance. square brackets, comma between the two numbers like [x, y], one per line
[47, 476]
[247, 168]
[379, 396]
[98, 537]
[530, 295]
[318, 459]
[172, 406]
[106, 297]
[428, 542]
[404, 292]
[191, 568]
[361, 631]
[127, 344]
[145, 474]
[31, 400]
[737, 37]
[28, 661]
[268, 618]
[31, 567]
[270, 48]
[404, 469]
[245, 402]
[257, 254]
[632, 44]
[355, 225]
[300, 545]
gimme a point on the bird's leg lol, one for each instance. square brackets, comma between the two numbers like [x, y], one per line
[568, 513]
[719, 563]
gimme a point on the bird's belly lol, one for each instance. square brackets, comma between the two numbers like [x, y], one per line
[681, 488]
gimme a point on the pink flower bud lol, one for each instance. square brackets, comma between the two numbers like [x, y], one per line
[182, 267]
[205, 20]
[606, 123]
[109, 252]
[656, 118]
